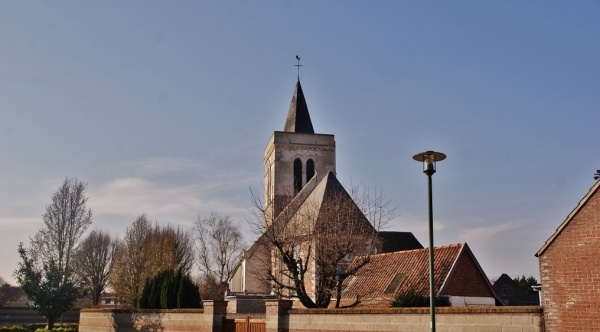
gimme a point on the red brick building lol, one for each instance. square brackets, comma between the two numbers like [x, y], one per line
[458, 276]
[570, 269]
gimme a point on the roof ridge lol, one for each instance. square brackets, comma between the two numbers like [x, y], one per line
[427, 248]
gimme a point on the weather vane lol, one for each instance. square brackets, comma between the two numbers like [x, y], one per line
[298, 65]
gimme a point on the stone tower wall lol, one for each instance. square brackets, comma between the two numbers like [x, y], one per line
[285, 147]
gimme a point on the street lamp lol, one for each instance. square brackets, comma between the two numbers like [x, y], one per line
[429, 160]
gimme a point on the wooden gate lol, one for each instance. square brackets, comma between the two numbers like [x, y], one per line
[244, 325]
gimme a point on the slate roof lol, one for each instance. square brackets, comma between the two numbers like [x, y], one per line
[315, 195]
[328, 195]
[570, 217]
[298, 118]
[513, 294]
[399, 241]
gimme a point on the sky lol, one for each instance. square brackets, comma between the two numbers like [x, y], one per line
[165, 108]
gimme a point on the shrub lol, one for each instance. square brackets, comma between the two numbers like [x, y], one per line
[170, 290]
[57, 329]
[413, 299]
[188, 295]
[13, 328]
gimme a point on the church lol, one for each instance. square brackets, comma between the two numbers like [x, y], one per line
[312, 228]
[323, 246]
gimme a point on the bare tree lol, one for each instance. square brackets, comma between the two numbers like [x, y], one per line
[173, 249]
[209, 288]
[131, 262]
[92, 264]
[46, 271]
[145, 251]
[65, 221]
[312, 241]
[219, 249]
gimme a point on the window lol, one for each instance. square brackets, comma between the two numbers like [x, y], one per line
[297, 176]
[395, 283]
[310, 169]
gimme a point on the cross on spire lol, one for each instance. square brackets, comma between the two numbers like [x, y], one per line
[298, 65]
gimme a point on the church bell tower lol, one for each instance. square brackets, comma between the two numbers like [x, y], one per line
[295, 157]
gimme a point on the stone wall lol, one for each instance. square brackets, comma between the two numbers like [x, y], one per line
[449, 319]
[209, 319]
[280, 317]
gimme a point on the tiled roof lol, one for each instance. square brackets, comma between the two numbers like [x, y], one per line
[390, 274]
[298, 118]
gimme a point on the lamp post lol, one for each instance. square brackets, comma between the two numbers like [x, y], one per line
[429, 160]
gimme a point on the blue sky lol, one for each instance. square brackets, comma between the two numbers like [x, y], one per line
[165, 108]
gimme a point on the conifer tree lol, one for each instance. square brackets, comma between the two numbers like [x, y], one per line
[170, 290]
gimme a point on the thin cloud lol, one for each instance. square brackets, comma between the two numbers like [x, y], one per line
[158, 166]
[17, 223]
[485, 233]
[129, 197]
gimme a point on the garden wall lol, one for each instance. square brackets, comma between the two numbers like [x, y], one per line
[448, 319]
[280, 317]
[208, 319]
[27, 316]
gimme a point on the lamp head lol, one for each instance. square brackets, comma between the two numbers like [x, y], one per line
[429, 160]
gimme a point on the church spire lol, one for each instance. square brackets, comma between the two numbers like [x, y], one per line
[298, 119]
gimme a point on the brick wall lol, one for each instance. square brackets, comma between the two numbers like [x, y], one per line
[570, 273]
[464, 281]
[209, 319]
[281, 317]
[108, 320]
[449, 319]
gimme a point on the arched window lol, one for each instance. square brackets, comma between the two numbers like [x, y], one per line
[297, 176]
[310, 169]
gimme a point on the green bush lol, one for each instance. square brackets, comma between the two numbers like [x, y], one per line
[413, 299]
[188, 295]
[13, 328]
[170, 290]
[57, 329]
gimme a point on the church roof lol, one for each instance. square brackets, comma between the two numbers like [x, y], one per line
[319, 195]
[330, 197]
[298, 118]
[398, 241]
